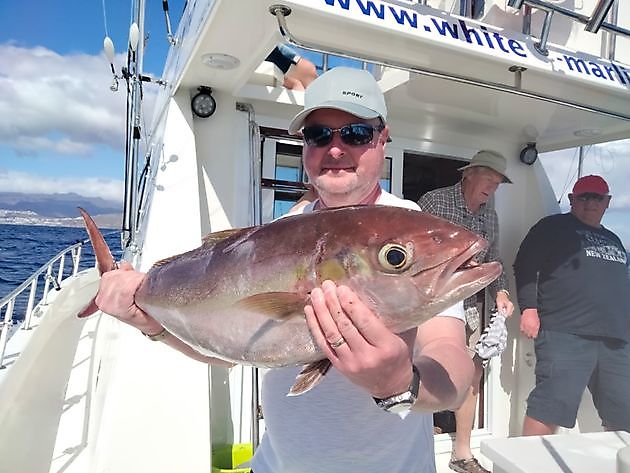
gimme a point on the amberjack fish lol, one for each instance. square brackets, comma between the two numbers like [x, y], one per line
[240, 296]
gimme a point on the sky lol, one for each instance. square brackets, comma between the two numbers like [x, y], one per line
[62, 129]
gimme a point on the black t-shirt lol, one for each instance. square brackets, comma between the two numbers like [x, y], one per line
[576, 276]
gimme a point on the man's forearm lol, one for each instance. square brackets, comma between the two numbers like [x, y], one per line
[446, 373]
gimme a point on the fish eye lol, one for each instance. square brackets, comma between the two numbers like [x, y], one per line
[394, 257]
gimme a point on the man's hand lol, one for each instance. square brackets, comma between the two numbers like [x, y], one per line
[116, 297]
[357, 342]
[530, 323]
[504, 304]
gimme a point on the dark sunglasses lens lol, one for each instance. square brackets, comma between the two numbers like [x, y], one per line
[317, 135]
[590, 196]
[357, 134]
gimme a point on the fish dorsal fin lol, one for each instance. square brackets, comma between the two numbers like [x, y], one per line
[215, 237]
[309, 377]
[164, 261]
[277, 305]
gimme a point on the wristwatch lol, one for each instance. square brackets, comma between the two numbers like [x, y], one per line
[404, 401]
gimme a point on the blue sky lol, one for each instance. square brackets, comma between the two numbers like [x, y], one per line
[62, 129]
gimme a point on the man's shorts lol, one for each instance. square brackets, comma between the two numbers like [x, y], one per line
[472, 336]
[284, 57]
[566, 364]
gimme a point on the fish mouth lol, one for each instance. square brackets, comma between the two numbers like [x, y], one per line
[462, 270]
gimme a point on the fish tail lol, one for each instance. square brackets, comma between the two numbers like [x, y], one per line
[104, 259]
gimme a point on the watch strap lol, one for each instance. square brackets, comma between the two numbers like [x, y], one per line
[405, 399]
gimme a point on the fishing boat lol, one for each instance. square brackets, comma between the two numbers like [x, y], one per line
[519, 76]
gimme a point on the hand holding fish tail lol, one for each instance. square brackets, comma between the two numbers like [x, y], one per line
[116, 297]
[370, 356]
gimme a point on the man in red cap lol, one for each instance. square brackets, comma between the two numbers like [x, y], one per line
[573, 291]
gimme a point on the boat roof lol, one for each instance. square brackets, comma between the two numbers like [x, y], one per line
[440, 73]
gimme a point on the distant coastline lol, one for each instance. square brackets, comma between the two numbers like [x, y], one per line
[57, 210]
[27, 217]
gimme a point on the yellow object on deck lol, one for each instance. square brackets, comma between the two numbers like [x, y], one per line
[229, 458]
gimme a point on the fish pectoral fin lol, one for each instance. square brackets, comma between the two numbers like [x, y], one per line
[309, 377]
[277, 305]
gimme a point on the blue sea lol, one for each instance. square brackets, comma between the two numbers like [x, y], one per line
[25, 248]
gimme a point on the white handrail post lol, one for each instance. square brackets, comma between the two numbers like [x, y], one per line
[47, 285]
[62, 262]
[76, 259]
[4, 333]
[29, 307]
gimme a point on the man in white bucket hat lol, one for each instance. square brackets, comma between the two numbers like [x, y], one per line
[469, 204]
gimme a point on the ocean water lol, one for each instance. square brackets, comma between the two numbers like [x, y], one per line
[25, 248]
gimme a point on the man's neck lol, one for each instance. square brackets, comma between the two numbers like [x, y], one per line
[330, 201]
[473, 207]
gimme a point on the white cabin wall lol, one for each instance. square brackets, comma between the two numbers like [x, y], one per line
[519, 205]
[173, 217]
[223, 148]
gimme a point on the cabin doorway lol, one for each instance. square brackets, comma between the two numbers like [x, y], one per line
[423, 173]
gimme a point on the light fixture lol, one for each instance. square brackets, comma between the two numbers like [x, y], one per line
[203, 103]
[599, 14]
[220, 61]
[529, 154]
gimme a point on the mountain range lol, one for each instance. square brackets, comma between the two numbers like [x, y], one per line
[57, 209]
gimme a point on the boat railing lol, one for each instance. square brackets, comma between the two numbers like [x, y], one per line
[53, 273]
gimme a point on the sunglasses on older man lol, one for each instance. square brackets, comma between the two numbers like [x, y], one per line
[590, 196]
[355, 134]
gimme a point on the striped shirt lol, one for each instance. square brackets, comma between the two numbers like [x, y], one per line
[448, 203]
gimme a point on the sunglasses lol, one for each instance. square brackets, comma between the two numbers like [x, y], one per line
[590, 196]
[355, 134]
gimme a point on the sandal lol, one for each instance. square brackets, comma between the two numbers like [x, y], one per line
[468, 465]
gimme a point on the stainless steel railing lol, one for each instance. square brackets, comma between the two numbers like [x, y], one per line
[53, 274]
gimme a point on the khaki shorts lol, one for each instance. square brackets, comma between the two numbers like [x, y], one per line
[472, 336]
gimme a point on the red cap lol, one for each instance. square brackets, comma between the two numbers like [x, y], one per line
[592, 184]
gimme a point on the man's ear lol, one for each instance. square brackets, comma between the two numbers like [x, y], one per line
[385, 134]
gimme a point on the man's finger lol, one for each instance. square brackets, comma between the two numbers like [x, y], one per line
[367, 324]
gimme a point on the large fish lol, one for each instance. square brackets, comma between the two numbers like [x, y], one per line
[240, 295]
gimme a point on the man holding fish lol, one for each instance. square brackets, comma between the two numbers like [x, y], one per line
[371, 411]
